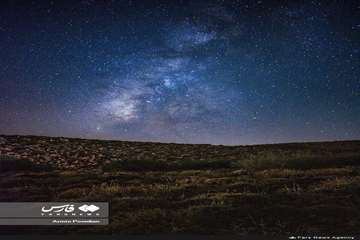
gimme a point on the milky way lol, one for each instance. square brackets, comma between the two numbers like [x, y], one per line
[220, 72]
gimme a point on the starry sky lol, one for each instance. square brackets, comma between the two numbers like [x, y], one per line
[219, 72]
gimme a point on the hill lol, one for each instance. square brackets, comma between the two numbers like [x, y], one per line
[181, 188]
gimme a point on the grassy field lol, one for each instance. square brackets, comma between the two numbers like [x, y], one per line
[284, 189]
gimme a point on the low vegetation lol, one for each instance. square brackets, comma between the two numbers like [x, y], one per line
[310, 188]
[13, 164]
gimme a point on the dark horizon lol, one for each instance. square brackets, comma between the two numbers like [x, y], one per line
[204, 72]
[177, 143]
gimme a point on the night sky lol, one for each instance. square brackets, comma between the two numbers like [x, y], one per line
[220, 72]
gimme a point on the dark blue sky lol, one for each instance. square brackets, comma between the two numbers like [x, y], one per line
[221, 72]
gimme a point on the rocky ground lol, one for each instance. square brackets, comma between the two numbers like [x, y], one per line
[281, 189]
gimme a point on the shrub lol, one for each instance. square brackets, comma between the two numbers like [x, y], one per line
[11, 163]
[270, 160]
[201, 164]
[156, 165]
[134, 165]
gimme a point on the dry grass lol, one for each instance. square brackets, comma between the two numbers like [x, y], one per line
[343, 184]
[276, 189]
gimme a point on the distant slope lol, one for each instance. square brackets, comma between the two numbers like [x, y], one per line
[283, 189]
[71, 153]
